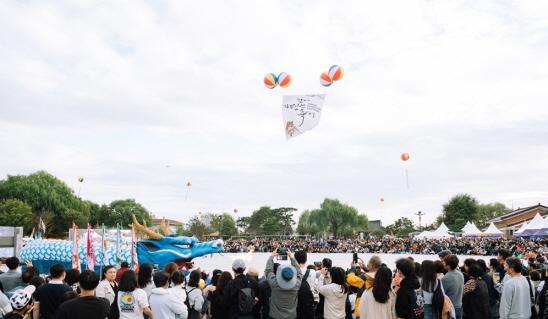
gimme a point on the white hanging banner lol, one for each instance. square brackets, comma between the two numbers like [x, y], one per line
[301, 113]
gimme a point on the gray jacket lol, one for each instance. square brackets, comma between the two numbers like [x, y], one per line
[283, 302]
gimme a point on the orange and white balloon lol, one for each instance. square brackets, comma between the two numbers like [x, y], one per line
[405, 157]
[270, 80]
[325, 79]
[284, 80]
[336, 72]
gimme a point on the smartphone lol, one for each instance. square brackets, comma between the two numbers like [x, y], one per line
[282, 254]
[496, 277]
[355, 257]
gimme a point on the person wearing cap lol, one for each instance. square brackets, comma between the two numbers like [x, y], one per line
[284, 284]
[232, 291]
[21, 302]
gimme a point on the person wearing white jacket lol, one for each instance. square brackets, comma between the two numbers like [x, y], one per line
[108, 289]
[164, 303]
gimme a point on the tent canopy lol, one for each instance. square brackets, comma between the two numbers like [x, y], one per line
[492, 231]
[470, 230]
[440, 233]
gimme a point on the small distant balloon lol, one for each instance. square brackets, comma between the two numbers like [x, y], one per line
[284, 80]
[80, 179]
[188, 184]
[235, 211]
[270, 80]
[325, 79]
[405, 157]
[382, 199]
[336, 72]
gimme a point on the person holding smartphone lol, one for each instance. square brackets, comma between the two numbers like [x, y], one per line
[284, 284]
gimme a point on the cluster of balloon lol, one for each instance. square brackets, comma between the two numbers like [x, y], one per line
[335, 73]
[271, 80]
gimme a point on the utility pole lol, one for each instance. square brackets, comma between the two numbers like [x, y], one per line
[420, 214]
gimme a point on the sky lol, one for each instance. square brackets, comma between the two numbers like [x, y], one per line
[140, 97]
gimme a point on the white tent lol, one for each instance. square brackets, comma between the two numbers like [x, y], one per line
[440, 233]
[470, 230]
[492, 231]
[521, 229]
[442, 228]
[537, 223]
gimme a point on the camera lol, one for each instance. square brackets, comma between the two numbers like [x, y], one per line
[282, 254]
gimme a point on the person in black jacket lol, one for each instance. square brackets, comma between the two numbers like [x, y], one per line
[406, 298]
[493, 293]
[217, 309]
[475, 300]
[232, 291]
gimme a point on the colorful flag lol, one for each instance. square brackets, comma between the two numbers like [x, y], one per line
[301, 113]
[42, 226]
[134, 261]
[118, 241]
[75, 259]
[90, 255]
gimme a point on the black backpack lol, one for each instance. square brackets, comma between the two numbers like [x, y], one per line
[305, 299]
[246, 300]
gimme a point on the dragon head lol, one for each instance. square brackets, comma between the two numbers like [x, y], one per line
[162, 249]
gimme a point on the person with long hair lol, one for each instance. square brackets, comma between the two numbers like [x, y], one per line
[144, 278]
[216, 309]
[335, 293]
[431, 290]
[108, 289]
[132, 300]
[406, 297]
[475, 300]
[194, 295]
[379, 301]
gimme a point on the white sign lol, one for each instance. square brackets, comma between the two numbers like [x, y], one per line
[301, 113]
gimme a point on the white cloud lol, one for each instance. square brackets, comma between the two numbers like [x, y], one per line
[115, 91]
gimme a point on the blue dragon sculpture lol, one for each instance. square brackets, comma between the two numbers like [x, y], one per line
[160, 249]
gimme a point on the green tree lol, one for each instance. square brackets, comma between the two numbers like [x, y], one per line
[224, 224]
[49, 197]
[197, 227]
[270, 221]
[120, 211]
[460, 209]
[14, 212]
[489, 211]
[403, 226]
[333, 217]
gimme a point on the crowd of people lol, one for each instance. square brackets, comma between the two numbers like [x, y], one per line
[392, 245]
[506, 287]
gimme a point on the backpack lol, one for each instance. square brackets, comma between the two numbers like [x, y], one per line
[246, 300]
[193, 313]
[418, 310]
[305, 299]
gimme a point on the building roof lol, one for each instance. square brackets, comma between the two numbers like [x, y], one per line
[171, 222]
[516, 212]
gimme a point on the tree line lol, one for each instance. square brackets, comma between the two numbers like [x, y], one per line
[25, 199]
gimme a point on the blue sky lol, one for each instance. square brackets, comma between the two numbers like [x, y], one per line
[115, 91]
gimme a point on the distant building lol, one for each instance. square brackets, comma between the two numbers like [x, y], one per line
[173, 225]
[512, 221]
[374, 225]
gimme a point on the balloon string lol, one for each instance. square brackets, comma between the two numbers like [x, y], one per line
[186, 195]
[407, 178]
